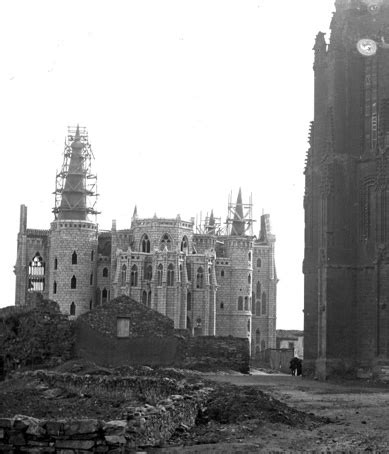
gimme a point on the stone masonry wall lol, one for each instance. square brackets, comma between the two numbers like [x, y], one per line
[68, 237]
[214, 353]
[143, 426]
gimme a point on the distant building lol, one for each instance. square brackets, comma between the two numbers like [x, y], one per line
[291, 339]
[346, 263]
[215, 281]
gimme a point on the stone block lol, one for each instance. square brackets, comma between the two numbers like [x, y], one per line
[117, 427]
[115, 439]
[16, 438]
[82, 426]
[54, 427]
[75, 444]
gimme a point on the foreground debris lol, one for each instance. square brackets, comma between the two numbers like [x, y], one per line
[103, 410]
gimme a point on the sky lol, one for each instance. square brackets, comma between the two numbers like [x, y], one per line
[185, 102]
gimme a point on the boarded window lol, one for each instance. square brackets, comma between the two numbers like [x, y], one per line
[123, 327]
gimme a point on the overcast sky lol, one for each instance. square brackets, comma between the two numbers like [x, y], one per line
[184, 101]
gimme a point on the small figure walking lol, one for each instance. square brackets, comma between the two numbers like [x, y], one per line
[296, 366]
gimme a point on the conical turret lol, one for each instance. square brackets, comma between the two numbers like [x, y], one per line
[238, 223]
[73, 188]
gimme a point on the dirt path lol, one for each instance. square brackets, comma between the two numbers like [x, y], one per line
[359, 416]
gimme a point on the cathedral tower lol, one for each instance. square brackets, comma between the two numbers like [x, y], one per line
[346, 263]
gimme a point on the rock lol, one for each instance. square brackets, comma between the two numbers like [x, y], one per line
[52, 393]
[54, 427]
[75, 444]
[16, 438]
[117, 427]
[81, 426]
[115, 439]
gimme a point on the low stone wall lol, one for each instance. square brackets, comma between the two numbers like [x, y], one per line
[137, 385]
[108, 350]
[142, 426]
[214, 353]
[198, 353]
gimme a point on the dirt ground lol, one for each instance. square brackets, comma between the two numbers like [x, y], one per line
[358, 413]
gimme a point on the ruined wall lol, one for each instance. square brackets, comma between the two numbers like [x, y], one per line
[147, 425]
[31, 336]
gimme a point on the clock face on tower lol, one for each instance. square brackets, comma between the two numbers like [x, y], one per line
[367, 47]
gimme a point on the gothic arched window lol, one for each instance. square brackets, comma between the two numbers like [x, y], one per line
[104, 295]
[74, 258]
[200, 278]
[185, 245]
[246, 303]
[159, 274]
[124, 275]
[149, 272]
[105, 272]
[240, 303]
[166, 242]
[257, 336]
[134, 276]
[72, 309]
[188, 271]
[92, 254]
[170, 275]
[264, 303]
[144, 297]
[55, 263]
[249, 279]
[149, 299]
[55, 287]
[189, 302]
[145, 244]
[73, 282]
[259, 263]
[37, 267]
[91, 279]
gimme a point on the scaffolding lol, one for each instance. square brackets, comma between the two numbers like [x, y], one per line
[210, 225]
[241, 214]
[87, 186]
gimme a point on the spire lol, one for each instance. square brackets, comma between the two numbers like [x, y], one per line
[75, 184]
[211, 224]
[135, 213]
[211, 219]
[238, 223]
[77, 136]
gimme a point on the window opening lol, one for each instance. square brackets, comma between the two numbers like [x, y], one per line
[170, 275]
[134, 276]
[124, 275]
[74, 258]
[159, 274]
[145, 244]
[73, 282]
[200, 278]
